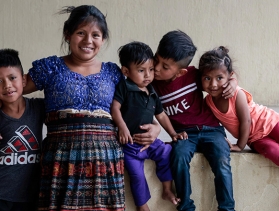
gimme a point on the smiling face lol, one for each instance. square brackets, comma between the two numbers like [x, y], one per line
[86, 41]
[11, 84]
[213, 80]
[141, 74]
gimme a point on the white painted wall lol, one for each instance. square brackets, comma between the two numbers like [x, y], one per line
[249, 28]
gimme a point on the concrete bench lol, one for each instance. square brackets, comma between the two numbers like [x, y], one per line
[255, 182]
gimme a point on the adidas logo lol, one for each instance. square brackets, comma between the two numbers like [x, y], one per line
[24, 141]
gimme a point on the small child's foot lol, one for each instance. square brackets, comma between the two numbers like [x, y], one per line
[168, 195]
[143, 208]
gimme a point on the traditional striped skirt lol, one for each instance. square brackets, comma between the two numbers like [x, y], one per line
[82, 165]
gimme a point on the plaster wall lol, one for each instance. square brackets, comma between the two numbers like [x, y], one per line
[249, 28]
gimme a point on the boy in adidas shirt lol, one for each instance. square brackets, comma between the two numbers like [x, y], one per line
[21, 124]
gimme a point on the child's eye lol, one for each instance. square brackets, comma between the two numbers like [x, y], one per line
[164, 67]
[140, 71]
[151, 69]
[219, 78]
[80, 33]
[96, 35]
[13, 78]
[206, 78]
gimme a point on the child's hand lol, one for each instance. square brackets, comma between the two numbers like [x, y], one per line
[229, 88]
[145, 147]
[233, 147]
[125, 136]
[179, 136]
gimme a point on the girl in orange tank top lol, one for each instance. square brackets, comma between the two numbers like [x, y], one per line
[248, 122]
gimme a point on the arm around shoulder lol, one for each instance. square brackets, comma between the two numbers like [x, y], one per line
[230, 88]
[29, 85]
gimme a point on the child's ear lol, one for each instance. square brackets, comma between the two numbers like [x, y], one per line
[231, 74]
[67, 37]
[181, 72]
[125, 71]
[24, 80]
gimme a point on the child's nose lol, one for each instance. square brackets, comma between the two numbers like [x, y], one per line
[147, 73]
[213, 83]
[7, 84]
[156, 68]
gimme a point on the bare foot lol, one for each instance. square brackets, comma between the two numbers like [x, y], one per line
[143, 208]
[168, 195]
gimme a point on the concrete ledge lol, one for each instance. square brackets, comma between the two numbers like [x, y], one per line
[255, 180]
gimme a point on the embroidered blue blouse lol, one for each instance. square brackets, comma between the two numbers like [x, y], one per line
[66, 89]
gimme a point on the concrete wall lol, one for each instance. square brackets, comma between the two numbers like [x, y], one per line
[249, 28]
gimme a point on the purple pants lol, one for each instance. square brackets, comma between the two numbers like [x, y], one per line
[134, 164]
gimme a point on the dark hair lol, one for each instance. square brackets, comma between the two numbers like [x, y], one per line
[9, 58]
[134, 52]
[214, 59]
[178, 46]
[83, 14]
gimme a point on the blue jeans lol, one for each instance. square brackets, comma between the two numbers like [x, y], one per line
[211, 142]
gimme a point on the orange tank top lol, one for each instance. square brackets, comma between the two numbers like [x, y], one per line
[263, 119]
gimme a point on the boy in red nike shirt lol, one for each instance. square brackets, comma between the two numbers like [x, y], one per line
[179, 89]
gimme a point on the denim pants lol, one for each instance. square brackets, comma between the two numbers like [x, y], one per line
[134, 164]
[211, 142]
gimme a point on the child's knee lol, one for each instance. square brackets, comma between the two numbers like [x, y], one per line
[271, 153]
[181, 158]
[265, 149]
[182, 154]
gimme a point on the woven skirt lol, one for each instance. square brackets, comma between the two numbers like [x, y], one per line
[82, 165]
